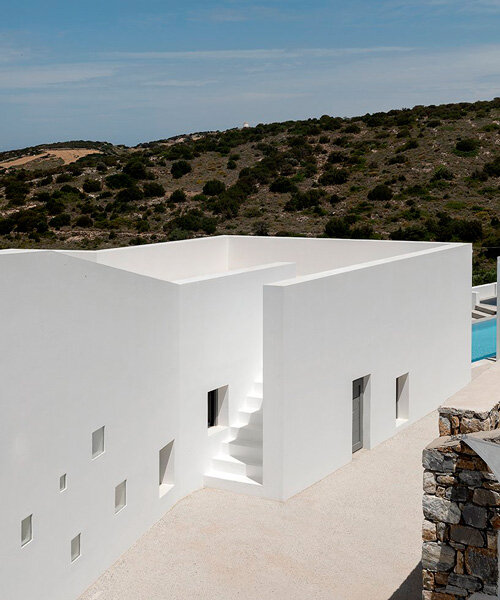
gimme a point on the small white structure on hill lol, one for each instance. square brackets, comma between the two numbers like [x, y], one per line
[132, 377]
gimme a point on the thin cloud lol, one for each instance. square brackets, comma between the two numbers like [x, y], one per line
[179, 83]
[258, 53]
[51, 75]
[462, 6]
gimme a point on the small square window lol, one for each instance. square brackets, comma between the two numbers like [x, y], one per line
[63, 483]
[120, 496]
[75, 548]
[98, 442]
[26, 530]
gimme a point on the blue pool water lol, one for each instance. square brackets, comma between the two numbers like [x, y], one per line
[484, 339]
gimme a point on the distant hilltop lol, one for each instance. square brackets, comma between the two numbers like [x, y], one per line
[426, 173]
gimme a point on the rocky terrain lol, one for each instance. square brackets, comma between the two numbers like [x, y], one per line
[427, 173]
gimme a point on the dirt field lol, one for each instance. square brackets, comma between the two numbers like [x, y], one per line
[67, 156]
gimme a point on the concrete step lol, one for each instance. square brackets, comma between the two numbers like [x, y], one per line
[252, 402]
[487, 309]
[252, 417]
[258, 388]
[249, 432]
[245, 450]
[233, 483]
[223, 463]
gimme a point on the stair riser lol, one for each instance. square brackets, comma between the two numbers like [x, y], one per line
[253, 402]
[250, 418]
[244, 453]
[249, 436]
[225, 466]
[258, 388]
[254, 472]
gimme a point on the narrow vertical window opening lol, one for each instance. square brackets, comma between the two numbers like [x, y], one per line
[98, 442]
[120, 496]
[26, 530]
[75, 547]
[167, 464]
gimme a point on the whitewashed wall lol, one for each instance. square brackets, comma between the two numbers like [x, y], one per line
[220, 344]
[313, 255]
[172, 260]
[323, 332]
[83, 346]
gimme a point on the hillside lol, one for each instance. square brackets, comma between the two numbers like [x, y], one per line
[427, 173]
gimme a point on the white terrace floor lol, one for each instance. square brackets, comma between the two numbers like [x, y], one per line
[356, 535]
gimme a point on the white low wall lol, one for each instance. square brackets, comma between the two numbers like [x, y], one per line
[482, 292]
[313, 255]
[323, 332]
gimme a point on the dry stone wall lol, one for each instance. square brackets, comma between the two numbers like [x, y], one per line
[461, 506]
[453, 421]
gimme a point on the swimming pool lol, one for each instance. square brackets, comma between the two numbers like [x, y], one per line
[484, 339]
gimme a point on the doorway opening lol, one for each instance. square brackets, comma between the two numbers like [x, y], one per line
[402, 398]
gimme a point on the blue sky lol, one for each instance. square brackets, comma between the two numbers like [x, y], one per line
[128, 71]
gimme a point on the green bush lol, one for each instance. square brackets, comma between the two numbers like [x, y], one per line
[337, 227]
[214, 187]
[33, 220]
[137, 170]
[352, 128]
[6, 226]
[119, 181]
[334, 177]
[16, 191]
[153, 190]
[304, 200]
[59, 221]
[282, 185]
[442, 173]
[180, 168]
[336, 157]
[261, 229]
[92, 185]
[54, 206]
[194, 220]
[178, 196]
[493, 168]
[64, 178]
[130, 194]
[467, 146]
[84, 221]
[380, 193]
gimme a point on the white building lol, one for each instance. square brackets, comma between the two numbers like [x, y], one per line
[111, 361]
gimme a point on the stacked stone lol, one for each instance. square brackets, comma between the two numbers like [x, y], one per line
[453, 421]
[461, 506]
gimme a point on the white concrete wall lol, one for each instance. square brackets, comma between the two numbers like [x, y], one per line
[220, 344]
[313, 255]
[323, 332]
[85, 345]
[171, 260]
[82, 346]
[487, 290]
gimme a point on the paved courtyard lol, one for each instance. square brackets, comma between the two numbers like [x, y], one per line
[356, 535]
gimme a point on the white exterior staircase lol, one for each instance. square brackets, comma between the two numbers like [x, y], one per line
[239, 458]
